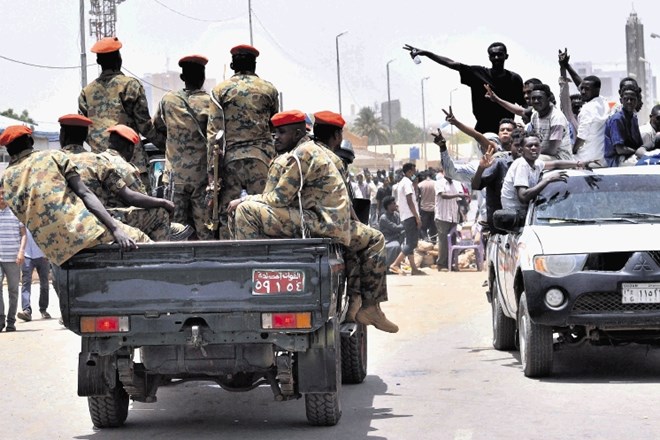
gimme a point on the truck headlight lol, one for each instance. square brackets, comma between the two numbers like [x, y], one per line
[559, 265]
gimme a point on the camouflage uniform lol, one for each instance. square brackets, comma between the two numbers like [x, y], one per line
[36, 189]
[112, 99]
[276, 212]
[101, 176]
[190, 120]
[73, 149]
[248, 103]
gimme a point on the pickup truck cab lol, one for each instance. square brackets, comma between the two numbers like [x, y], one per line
[584, 266]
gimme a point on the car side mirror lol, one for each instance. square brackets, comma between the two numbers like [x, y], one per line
[508, 220]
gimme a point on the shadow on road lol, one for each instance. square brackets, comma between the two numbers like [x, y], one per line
[204, 410]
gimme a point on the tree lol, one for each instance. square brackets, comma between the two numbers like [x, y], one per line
[368, 124]
[24, 116]
[405, 132]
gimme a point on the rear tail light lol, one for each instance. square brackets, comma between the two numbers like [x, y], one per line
[104, 324]
[286, 320]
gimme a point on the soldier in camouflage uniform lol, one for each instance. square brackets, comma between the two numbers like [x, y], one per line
[45, 192]
[248, 103]
[114, 98]
[190, 120]
[100, 174]
[73, 132]
[305, 182]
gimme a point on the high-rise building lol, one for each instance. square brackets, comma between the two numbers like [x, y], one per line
[638, 66]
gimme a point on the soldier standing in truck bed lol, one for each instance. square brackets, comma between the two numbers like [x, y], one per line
[114, 98]
[190, 119]
[248, 103]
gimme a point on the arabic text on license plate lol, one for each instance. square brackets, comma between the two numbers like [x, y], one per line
[640, 293]
[268, 282]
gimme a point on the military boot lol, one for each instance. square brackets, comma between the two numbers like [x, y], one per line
[354, 304]
[372, 315]
[179, 232]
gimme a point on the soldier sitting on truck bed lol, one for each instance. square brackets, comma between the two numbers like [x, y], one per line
[306, 195]
[45, 192]
[121, 193]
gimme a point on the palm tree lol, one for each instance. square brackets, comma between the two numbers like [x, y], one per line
[368, 124]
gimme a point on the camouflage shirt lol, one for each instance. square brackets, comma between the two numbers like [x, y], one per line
[129, 173]
[190, 120]
[101, 177]
[248, 102]
[114, 98]
[73, 148]
[36, 189]
[323, 190]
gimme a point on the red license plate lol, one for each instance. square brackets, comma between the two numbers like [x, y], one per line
[271, 282]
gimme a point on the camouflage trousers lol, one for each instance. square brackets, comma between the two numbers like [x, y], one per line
[191, 208]
[248, 174]
[366, 263]
[154, 222]
[365, 254]
[137, 235]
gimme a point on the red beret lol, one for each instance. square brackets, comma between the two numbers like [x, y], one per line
[244, 49]
[106, 45]
[195, 59]
[12, 133]
[329, 118]
[75, 120]
[125, 132]
[287, 117]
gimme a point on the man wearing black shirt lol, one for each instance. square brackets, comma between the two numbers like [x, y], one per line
[502, 81]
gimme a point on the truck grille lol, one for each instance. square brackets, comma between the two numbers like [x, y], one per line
[608, 302]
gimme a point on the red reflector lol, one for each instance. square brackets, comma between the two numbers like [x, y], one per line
[284, 320]
[107, 324]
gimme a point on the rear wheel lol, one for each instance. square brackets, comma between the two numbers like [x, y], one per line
[504, 328]
[109, 411]
[354, 356]
[324, 409]
[536, 343]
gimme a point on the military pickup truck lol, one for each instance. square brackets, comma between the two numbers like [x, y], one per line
[583, 268]
[240, 313]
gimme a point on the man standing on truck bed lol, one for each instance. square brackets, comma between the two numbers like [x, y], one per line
[190, 120]
[306, 195]
[248, 103]
[45, 192]
[114, 98]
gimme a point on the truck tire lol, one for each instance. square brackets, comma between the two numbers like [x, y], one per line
[504, 328]
[536, 344]
[354, 356]
[109, 411]
[324, 409]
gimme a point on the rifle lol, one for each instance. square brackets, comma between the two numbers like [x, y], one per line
[215, 223]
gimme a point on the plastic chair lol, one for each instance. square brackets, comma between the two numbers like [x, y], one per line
[458, 241]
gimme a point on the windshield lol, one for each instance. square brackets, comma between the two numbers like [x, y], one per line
[600, 198]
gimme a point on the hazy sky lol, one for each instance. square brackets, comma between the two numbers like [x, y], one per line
[297, 43]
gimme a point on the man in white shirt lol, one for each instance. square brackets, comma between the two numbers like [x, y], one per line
[446, 215]
[551, 124]
[651, 132]
[406, 199]
[591, 123]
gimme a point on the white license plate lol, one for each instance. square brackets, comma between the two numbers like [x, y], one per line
[640, 293]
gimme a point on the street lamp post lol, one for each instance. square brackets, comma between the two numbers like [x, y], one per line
[451, 127]
[338, 71]
[424, 153]
[389, 111]
[655, 36]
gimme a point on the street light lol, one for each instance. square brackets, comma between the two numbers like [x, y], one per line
[424, 154]
[338, 74]
[451, 126]
[655, 36]
[389, 111]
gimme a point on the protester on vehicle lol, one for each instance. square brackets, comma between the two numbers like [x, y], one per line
[305, 195]
[34, 259]
[447, 216]
[427, 206]
[406, 200]
[651, 133]
[622, 136]
[114, 98]
[392, 229]
[507, 84]
[248, 103]
[523, 182]
[189, 120]
[12, 255]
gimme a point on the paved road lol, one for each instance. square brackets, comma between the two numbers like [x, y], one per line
[438, 378]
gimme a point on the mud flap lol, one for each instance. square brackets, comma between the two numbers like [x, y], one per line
[97, 375]
[318, 366]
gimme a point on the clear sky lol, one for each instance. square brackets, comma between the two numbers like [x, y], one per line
[297, 43]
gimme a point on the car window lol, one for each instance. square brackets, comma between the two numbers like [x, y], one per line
[633, 198]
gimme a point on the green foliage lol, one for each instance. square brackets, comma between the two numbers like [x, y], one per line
[368, 124]
[24, 116]
[405, 132]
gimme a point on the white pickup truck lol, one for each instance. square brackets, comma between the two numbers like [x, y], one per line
[584, 266]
